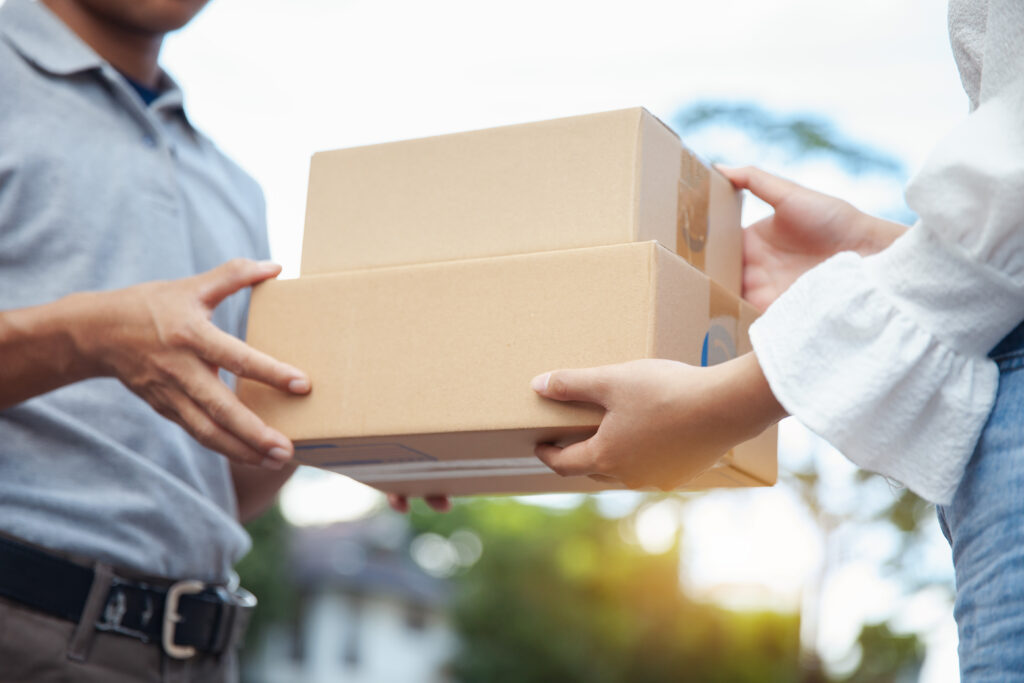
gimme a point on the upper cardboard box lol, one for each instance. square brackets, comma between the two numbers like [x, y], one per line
[601, 179]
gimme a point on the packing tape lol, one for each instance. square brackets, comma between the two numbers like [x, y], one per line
[692, 209]
[720, 340]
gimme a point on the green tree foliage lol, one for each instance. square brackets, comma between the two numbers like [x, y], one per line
[558, 595]
[893, 658]
[801, 135]
[885, 657]
[264, 572]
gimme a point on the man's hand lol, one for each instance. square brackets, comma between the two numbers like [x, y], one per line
[157, 339]
[807, 228]
[665, 422]
[401, 503]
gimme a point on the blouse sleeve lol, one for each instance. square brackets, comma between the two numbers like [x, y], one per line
[885, 356]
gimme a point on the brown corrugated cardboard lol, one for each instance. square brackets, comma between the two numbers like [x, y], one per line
[725, 241]
[421, 373]
[601, 179]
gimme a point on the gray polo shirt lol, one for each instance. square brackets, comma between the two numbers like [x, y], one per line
[99, 191]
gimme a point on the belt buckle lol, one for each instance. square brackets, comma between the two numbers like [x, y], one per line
[237, 605]
[172, 618]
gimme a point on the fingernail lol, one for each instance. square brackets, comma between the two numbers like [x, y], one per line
[540, 382]
[268, 266]
[299, 385]
[272, 464]
[280, 454]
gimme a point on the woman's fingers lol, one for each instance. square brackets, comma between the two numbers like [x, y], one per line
[574, 460]
[770, 188]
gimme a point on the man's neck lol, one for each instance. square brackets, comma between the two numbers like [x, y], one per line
[131, 52]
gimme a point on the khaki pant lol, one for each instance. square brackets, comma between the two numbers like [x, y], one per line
[39, 648]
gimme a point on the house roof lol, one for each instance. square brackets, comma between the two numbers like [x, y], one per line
[366, 556]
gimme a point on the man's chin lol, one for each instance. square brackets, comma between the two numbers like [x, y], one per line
[154, 17]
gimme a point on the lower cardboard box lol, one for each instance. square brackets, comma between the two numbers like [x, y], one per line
[421, 373]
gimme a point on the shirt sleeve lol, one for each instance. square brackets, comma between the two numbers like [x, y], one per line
[885, 356]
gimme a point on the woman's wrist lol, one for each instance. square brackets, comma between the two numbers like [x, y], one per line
[876, 234]
[753, 394]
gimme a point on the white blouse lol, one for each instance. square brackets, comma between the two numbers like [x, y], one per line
[885, 356]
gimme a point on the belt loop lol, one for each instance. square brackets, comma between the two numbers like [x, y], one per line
[85, 630]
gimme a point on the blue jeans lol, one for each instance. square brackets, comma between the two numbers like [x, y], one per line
[985, 528]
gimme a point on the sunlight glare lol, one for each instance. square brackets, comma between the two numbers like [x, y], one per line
[318, 497]
[657, 526]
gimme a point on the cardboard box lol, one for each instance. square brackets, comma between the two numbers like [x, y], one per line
[421, 373]
[601, 179]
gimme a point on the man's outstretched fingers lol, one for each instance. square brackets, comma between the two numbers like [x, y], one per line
[227, 278]
[439, 503]
[224, 408]
[587, 385]
[237, 357]
[211, 435]
[770, 188]
[571, 461]
[398, 502]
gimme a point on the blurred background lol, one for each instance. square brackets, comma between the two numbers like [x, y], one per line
[833, 575]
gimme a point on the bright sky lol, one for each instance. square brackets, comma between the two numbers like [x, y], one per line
[273, 82]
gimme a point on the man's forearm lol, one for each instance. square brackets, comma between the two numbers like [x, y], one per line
[256, 488]
[38, 350]
[157, 339]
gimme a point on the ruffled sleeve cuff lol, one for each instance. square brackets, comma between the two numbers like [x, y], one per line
[884, 357]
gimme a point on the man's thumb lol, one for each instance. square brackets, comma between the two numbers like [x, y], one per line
[228, 278]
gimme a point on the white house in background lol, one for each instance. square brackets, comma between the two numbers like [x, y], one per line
[367, 613]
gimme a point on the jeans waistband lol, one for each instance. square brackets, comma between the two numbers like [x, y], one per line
[1012, 345]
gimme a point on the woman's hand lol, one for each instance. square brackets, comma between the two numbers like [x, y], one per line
[665, 422]
[807, 228]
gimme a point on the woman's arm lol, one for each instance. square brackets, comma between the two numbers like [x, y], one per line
[885, 355]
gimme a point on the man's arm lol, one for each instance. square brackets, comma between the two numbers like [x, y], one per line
[38, 350]
[158, 340]
[256, 488]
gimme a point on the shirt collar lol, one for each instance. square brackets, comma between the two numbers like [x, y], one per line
[44, 40]
[170, 97]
